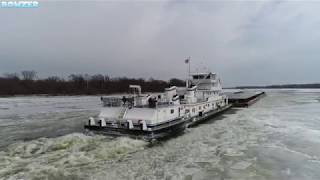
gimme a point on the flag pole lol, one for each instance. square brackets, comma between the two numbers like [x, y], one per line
[187, 74]
[189, 66]
[188, 71]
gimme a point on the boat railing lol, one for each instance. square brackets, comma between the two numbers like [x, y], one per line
[184, 101]
[129, 102]
[157, 105]
[116, 101]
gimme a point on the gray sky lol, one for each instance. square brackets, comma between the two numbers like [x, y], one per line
[247, 43]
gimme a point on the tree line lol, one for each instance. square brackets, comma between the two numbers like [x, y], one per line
[27, 83]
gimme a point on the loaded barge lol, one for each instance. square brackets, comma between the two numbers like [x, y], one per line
[158, 115]
[244, 98]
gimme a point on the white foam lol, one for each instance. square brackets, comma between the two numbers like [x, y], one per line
[60, 156]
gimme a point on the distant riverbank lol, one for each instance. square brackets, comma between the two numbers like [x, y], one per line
[284, 86]
[26, 83]
[77, 84]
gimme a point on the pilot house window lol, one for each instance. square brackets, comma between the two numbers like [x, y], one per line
[198, 77]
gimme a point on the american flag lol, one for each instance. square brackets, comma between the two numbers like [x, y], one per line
[187, 60]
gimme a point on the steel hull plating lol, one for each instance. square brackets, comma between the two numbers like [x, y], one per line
[199, 119]
[157, 131]
[154, 132]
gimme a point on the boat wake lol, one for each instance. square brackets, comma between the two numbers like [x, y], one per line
[66, 157]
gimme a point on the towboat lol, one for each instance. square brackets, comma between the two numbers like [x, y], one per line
[155, 116]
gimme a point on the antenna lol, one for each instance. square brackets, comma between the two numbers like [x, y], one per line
[188, 61]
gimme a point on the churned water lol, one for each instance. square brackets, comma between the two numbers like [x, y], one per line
[276, 138]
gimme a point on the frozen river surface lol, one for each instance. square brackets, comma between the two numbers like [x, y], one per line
[276, 138]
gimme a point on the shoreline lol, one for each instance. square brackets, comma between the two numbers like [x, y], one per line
[119, 94]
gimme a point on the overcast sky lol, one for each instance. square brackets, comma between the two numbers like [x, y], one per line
[247, 43]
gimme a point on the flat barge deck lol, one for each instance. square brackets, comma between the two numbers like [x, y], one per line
[244, 98]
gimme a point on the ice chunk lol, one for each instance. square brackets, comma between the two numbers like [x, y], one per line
[241, 165]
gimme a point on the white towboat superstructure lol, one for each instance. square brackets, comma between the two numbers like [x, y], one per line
[156, 116]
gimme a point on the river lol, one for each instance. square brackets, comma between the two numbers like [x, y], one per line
[276, 138]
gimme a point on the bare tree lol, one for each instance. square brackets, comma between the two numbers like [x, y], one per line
[54, 79]
[12, 76]
[97, 77]
[106, 78]
[176, 82]
[97, 81]
[76, 78]
[29, 75]
[87, 77]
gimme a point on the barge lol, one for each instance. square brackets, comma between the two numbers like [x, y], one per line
[245, 98]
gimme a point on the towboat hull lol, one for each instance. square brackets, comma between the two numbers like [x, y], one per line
[158, 131]
[153, 132]
[160, 115]
[206, 116]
